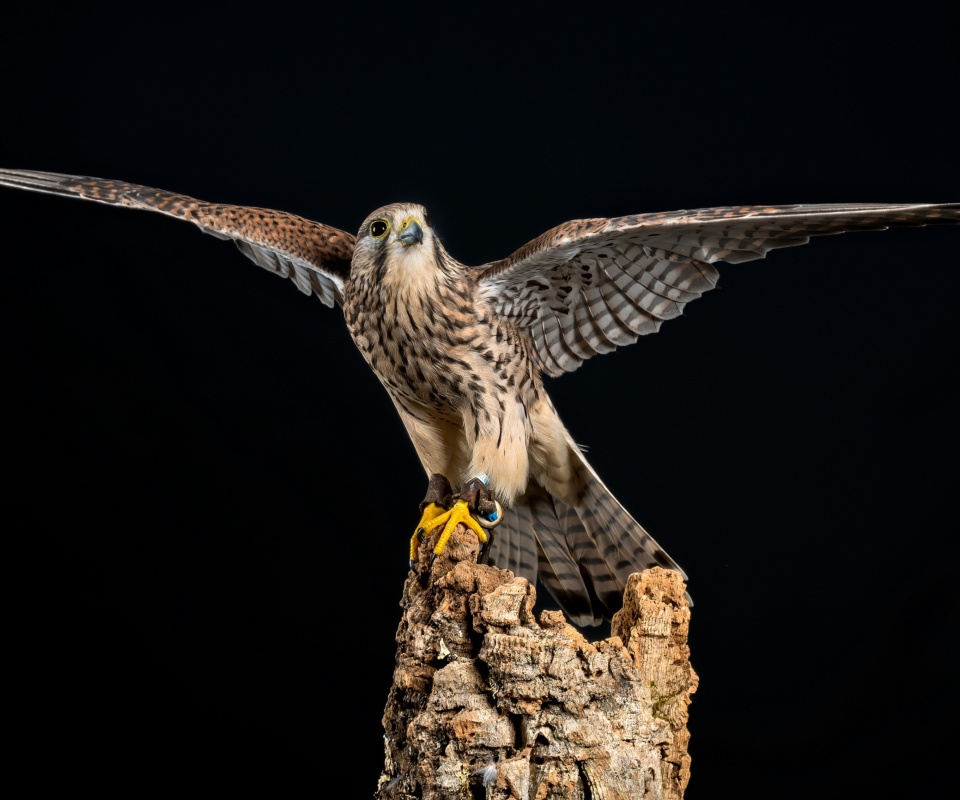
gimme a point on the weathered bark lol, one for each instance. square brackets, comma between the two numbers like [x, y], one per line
[488, 702]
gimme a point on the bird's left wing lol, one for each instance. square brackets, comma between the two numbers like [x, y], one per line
[315, 257]
[589, 286]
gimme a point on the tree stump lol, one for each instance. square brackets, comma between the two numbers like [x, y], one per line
[489, 702]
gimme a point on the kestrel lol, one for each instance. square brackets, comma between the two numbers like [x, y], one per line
[462, 350]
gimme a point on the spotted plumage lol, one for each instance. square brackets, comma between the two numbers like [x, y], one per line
[461, 350]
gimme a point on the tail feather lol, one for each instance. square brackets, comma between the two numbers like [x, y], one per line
[601, 591]
[544, 554]
[512, 547]
[584, 553]
[521, 552]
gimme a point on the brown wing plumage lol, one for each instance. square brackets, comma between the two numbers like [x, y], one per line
[588, 286]
[315, 257]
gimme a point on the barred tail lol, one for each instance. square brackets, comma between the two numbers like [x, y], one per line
[582, 554]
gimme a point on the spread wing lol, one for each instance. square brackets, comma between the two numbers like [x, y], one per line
[589, 286]
[315, 257]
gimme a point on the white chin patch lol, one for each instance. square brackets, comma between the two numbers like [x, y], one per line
[417, 261]
[412, 269]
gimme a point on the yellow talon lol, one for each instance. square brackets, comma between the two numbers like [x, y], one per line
[427, 523]
[434, 515]
[459, 513]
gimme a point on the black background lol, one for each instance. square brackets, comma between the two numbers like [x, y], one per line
[194, 449]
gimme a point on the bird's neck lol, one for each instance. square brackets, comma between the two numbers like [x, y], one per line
[418, 275]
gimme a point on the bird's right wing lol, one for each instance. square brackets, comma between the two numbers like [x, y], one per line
[315, 257]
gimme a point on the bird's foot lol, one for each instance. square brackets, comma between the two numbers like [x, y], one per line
[460, 512]
[437, 502]
[474, 507]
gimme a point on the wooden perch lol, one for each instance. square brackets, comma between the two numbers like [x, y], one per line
[489, 702]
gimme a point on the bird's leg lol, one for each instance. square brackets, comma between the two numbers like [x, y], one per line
[483, 507]
[481, 502]
[440, 507]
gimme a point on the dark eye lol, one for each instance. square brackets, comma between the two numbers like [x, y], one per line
[379, 228]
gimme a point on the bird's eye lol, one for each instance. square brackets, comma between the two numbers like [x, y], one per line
[379, 228]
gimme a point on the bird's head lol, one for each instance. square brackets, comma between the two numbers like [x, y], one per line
[397, 245]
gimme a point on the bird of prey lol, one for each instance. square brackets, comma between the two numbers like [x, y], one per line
[462, 350]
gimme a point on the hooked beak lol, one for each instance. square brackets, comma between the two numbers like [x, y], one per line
[411, 233]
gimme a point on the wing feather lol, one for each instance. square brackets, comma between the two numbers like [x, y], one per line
[314, 256]
[602, 283]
